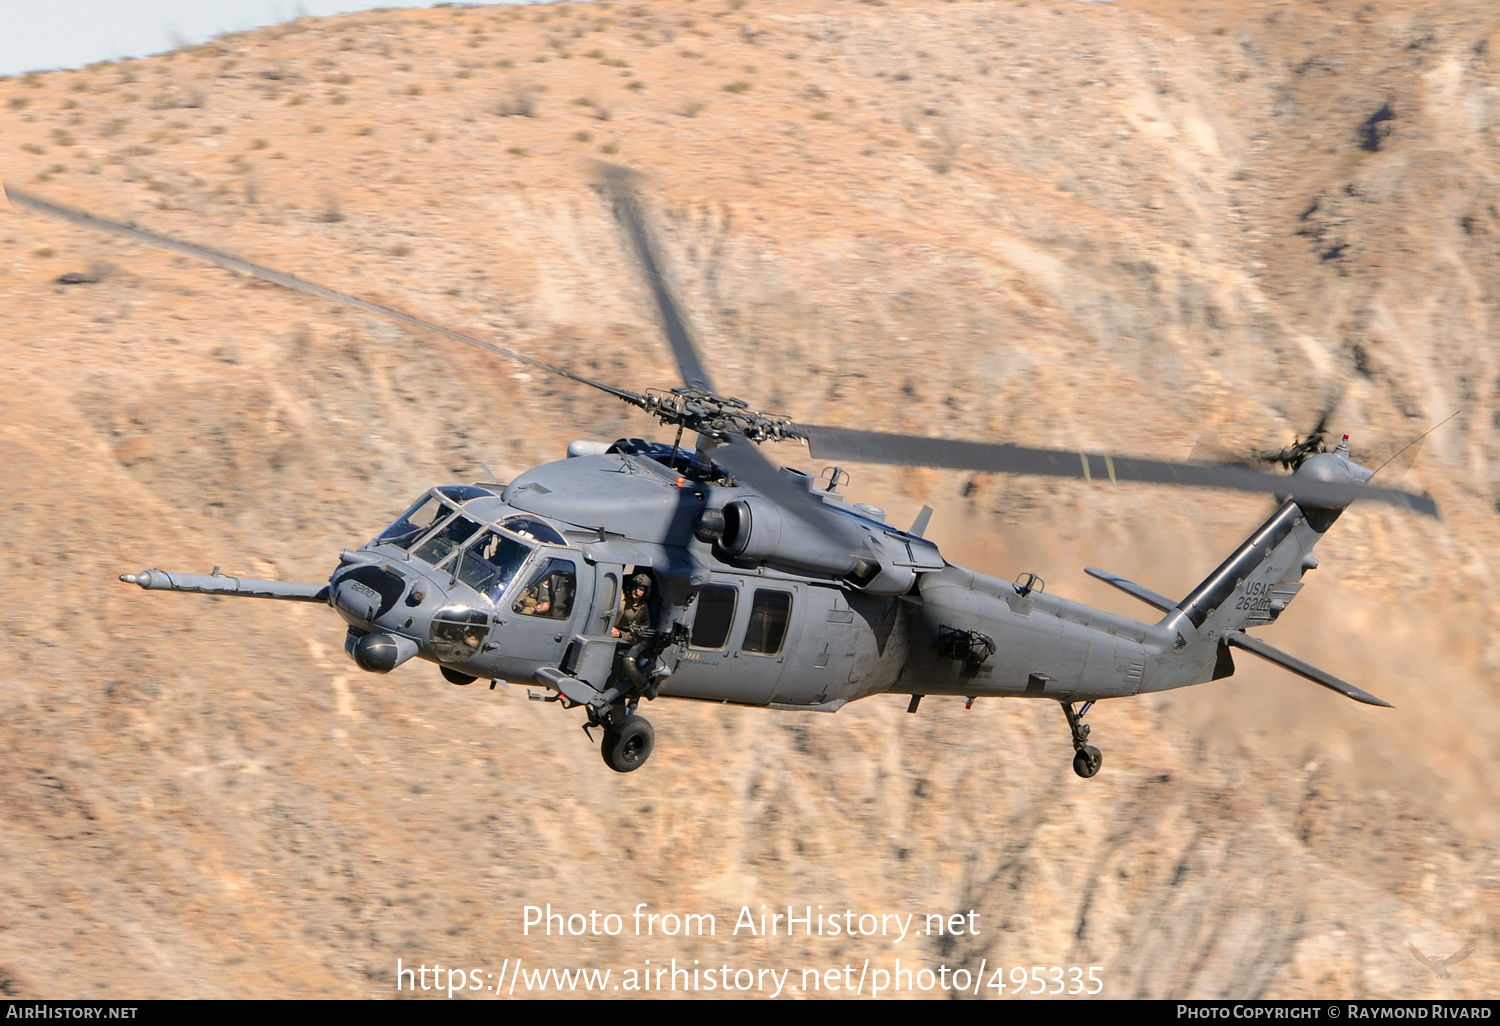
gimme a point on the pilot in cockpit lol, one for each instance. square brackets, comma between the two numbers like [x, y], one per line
[550, 596]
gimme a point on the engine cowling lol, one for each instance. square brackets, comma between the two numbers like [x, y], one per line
[756, 529]
[759, 530]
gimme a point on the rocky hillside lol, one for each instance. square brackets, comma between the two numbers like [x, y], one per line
[1140, 227]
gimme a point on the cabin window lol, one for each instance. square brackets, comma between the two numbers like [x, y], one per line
[769, 615]
[550, 593]
[715, 616]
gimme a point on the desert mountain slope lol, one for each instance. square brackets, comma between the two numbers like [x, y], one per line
[1140, 227]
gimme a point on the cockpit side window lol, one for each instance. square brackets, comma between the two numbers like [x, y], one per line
[550, 593]
[437, 548]
[427, 511]
[490, 563]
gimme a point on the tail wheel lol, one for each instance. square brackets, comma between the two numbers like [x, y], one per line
[628, 746]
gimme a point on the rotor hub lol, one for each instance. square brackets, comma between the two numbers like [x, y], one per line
[716, 416]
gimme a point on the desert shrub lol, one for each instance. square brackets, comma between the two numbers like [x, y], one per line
[517, 101]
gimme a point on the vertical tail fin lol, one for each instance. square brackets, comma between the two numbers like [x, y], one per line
[1257, 582]
[1262, 576]
[1254, 585]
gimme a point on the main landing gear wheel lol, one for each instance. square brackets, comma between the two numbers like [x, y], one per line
[454, 677]
[627, 746]
[1086, 758]
[1086, 761]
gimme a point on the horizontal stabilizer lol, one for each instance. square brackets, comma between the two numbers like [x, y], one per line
[222, 584]
[1297, 666]
[1146, 595]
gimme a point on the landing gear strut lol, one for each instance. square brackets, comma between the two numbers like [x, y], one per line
[628, 737]
[1086, 758]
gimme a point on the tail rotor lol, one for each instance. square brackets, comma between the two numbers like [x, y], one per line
[1294, 455]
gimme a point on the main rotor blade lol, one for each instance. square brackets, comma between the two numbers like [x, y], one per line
[233, 263]
[917, 451]
[618, 180]
[740, 457]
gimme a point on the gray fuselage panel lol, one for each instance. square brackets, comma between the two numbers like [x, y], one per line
[1046, 647]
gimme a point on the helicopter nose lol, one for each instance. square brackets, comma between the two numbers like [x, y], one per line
[367, 592]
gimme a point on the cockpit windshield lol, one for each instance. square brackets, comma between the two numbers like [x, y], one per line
[427, 511]
[488, 565]
[453, 534]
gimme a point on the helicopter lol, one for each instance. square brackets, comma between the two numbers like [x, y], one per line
[764, 586]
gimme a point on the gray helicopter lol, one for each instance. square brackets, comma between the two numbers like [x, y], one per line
[637, 570]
